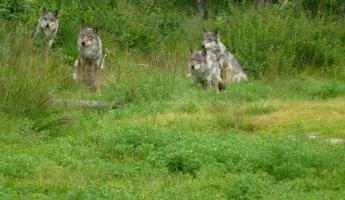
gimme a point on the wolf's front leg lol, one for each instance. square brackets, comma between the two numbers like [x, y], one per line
[194, 81]
[76, 71]
[97, 79]
[219, 85]
[50, 43]
[206, 84]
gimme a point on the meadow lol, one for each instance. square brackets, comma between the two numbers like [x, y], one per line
[159, 137]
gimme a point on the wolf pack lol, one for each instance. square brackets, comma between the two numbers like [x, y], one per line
[213, 66]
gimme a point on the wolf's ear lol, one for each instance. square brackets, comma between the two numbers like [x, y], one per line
[56, 13]
[97, 30]
[216, 33]
[204, 53]
[191, 50]
[45, 11]
[82, 27]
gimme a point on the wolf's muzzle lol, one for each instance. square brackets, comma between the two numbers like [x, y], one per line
[193, 67]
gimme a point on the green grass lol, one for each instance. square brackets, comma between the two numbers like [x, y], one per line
[161, 138]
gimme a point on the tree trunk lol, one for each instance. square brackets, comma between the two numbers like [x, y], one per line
[201, 4]
[343, 11]
[258, 2]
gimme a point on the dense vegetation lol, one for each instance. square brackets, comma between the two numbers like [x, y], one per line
[161, 138]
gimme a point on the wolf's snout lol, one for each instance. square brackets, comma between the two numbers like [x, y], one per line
[203, 46]
[83, 44]
[47, 25]
[193, 67]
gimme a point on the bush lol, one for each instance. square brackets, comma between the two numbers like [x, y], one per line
[26, 83]
[248, 186]
[184, 162]
[14, 8]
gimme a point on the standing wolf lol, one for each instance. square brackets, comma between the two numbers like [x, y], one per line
[47, 27]
[87, 68]
[204, 71]
[231, 70]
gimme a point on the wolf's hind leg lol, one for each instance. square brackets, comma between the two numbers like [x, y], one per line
[226, 73]
[206, 84]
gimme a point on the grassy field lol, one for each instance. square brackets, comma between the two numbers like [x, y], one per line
[161, 138]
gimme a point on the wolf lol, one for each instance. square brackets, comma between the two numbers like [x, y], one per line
[47, 27]
[87, 67]
[231, 70]
[204, 71]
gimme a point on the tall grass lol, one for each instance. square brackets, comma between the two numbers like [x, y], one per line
[161, 138]
[29, 78]
[147, 44]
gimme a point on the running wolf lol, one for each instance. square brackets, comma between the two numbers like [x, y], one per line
[87, 68]
[47, 27]
[231, 70]
[204, 71]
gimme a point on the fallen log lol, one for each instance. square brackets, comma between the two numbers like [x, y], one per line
[83, 103]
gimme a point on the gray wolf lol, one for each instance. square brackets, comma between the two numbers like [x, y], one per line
[204, 71]
[231, 70]
[87, 67]
[47, 27]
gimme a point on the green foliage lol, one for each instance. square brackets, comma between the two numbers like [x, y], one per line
[269, 42]
[161, 138]
[17, 166]
[14, 8]
[27, 83]
[248, 186]
[326, 7]
[182, 162]
[328, 90]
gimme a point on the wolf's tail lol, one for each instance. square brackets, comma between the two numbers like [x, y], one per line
[240, 77]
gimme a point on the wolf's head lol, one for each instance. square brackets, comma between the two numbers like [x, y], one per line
[48, 20]
[197, 60]
[88, 37]
[210, 40]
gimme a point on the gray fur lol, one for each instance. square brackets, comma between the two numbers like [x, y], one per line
[91, 60]
[92, 49]
[47, 27]
[204, 71]
[228, 64]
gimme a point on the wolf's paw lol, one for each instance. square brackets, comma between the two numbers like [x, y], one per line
[74, 76]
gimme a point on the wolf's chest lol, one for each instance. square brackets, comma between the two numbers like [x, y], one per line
[90, 53]
[47, 34]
